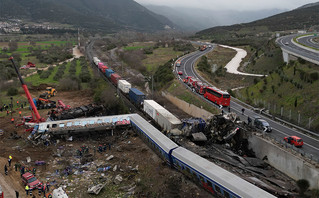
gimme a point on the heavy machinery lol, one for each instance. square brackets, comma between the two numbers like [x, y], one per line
[36, 118]
[45, 104]
[49, 92]
[62, 107]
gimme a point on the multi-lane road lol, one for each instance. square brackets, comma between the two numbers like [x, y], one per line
[311, 145]
[286, 43]
[308, 41]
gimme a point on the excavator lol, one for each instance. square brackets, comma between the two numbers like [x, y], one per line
[35, 118]
[49, 92]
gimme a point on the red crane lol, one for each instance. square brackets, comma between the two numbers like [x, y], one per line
[36, 118]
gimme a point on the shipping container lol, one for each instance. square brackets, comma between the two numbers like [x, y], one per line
[108, 73]
[167, 120]
[124, 86]
[136, 96]
[100, 64]
[115, 78]
[103, 68]
[150, 107]
[96, 60]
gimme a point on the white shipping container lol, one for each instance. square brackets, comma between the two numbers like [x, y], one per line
[150, 107]
[96, 60]
[167, 120]
[124, 86]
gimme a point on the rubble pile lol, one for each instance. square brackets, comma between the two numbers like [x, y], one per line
[77, 112]
[227, 146]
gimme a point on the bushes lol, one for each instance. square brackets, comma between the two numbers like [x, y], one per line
[12, 91]
[203, 65]
[163, 75]
[303, 186]
[59, 74]
[46, 73]
[69, 84]
[85, 75]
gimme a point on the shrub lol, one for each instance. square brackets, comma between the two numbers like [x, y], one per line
[314, 76]
[303, 186]
[69, 84]
[12, 91]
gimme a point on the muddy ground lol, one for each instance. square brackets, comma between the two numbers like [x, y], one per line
[144, 174]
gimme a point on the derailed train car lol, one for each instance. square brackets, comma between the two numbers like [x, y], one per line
[213, 178]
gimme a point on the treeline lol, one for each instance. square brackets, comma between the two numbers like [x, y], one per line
[53, 54]
[163, 75]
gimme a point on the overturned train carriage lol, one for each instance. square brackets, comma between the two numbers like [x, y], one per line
[82, 125]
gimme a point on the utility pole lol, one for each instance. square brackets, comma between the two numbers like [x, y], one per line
[79, 40]
[152, 86]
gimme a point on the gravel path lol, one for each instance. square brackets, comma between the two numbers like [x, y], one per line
[232, 66]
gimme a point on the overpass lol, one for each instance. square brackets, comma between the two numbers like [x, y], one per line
[291, 48]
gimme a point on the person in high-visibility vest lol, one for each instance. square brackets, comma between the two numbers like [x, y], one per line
[20, 113]
[9, 160]
[17, 103]
[27, 189]
[12, 120]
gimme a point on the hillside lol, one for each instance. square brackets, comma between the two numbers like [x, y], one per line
[194, 19]
[295, 19]
[97, 15]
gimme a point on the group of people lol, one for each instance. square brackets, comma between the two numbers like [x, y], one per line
[103, 148]
[41, 188]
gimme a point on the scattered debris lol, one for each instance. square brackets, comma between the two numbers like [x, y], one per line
[59, 193]
[96, 189]
[118, 179]
[109, 158]
[199, 137]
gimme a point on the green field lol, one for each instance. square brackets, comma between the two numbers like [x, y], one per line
[35, 80]
[159, 57]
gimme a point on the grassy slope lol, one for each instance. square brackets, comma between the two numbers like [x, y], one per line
[181, 92]
[285, 93]
[159, 57]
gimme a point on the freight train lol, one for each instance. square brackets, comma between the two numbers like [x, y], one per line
[166, 120]
[213, 178]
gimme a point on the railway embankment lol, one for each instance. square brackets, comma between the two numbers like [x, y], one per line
[290, 163]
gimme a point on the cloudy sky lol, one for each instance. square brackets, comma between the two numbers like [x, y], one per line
[231, 4]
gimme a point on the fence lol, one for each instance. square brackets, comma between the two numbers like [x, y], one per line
[289, 115]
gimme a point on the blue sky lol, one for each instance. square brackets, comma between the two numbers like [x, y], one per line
[239, 5]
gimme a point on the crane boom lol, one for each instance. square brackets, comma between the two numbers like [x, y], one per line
[27, 93]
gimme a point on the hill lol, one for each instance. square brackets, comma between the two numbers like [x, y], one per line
[95, 15]
[195, 19]
[294, 19]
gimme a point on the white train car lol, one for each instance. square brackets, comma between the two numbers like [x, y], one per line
[167, 120]
[124, 86]
[150, 107]
[161, 116]
[96, 60]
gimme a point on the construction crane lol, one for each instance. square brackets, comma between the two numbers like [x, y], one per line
[36, 118]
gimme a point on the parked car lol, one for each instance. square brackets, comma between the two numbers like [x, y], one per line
[30, 180]
[294, 140]
[262, 124]
[180, 73]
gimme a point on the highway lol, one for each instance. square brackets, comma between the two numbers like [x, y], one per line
[307, 40]
[286, 43]
[311, 145]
